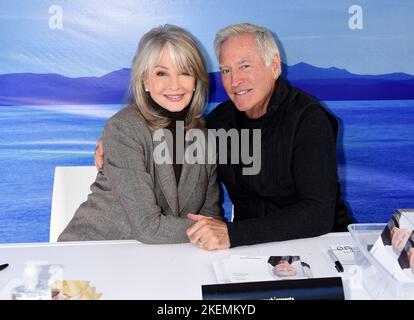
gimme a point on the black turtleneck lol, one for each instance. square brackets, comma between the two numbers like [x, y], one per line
[296, 193]
[173, 117]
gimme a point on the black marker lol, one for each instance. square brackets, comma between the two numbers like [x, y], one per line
[4, 266]
[338, 265]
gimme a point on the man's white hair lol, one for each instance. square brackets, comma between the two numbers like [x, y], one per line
[265, 40]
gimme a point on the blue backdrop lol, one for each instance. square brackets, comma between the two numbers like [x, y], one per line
[64, 69]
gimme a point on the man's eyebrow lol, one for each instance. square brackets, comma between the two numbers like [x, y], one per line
[242, 61]
[222, 66]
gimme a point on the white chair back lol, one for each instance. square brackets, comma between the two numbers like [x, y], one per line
[70, 188]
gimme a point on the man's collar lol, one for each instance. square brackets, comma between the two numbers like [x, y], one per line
[276, 99]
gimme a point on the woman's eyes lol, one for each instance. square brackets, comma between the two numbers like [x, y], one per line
[163, 73]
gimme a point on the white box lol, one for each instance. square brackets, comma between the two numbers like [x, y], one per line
[377, 281]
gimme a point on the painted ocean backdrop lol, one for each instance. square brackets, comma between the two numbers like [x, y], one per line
[375, 155]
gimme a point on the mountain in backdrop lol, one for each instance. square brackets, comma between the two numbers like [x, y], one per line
[323, 83]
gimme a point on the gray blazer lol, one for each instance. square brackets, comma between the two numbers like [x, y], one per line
[135, 198]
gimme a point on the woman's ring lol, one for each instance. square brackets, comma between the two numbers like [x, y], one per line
[200, 242]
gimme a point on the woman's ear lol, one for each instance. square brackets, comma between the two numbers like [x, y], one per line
[146, 85]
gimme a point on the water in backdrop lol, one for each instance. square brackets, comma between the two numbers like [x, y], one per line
[375, 156]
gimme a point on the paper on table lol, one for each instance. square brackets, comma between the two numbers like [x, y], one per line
[248, 268]
[344, 253]
[221, 276]
[238, 268]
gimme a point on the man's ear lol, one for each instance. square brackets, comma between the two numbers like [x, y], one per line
[276, 67]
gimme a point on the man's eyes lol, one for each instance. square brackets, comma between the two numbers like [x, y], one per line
[242, 67]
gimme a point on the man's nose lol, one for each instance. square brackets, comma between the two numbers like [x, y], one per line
[236, 79]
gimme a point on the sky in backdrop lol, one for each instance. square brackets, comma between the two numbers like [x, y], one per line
[100, 36]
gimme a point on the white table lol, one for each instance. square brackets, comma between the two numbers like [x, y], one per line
[131, 270]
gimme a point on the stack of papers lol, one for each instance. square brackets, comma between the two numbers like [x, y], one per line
[242, 268]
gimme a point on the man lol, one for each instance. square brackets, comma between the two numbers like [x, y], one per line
[296, 192]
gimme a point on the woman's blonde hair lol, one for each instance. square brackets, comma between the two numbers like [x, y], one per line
[185, 55]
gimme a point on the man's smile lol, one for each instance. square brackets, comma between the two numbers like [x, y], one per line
[242, 92]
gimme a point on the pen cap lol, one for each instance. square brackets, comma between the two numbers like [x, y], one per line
[332, 255]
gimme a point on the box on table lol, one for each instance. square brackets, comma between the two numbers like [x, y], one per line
[378, 282]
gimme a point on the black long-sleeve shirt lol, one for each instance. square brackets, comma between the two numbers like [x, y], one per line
[296, 191]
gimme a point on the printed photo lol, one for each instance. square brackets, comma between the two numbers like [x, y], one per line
[239, 268]
[394, 248]
[406, 258]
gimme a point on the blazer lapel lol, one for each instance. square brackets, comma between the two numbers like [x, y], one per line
[189, 177]
[177, 198]
[166, 179]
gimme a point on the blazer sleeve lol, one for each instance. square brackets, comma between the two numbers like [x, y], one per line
[211, 206]
[126, 146]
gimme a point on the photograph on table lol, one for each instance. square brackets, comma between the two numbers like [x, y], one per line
[393, 248]
[246, 268]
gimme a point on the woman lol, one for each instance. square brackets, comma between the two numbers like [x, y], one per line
[135, 197]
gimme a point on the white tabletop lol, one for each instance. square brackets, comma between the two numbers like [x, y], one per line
[131, 270]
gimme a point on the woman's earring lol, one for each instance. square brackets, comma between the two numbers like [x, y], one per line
[146, 90]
